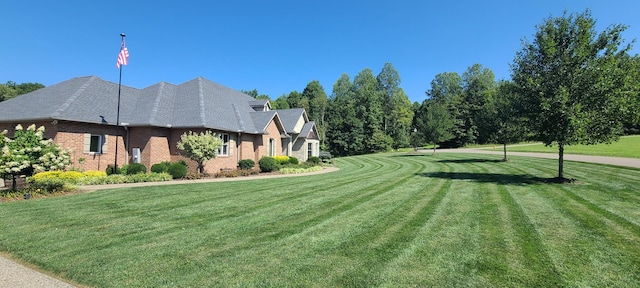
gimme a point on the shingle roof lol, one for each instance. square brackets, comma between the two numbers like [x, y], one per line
[199, 103]
[307, 128]
[290, 117]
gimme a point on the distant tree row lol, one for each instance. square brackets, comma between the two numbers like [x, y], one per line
[570, 85]
[11, 89]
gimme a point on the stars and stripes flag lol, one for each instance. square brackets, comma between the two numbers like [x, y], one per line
[123, 55]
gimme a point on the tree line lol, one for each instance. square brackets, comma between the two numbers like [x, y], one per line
[12, 89]
[569, 85]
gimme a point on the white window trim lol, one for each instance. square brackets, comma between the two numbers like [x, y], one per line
[102, 143]
[224, 145]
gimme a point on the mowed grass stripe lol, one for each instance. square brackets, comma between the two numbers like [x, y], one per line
[577, 226]
[371, 250]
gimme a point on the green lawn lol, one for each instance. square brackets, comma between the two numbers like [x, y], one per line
[386, 220]
[628, 146]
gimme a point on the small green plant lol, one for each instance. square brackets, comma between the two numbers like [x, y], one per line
[268, 164]
[110, 170]
[246, 164]
[136, 168]
[314, 160]
[177, 170]
[281, 159]
[293, 160]
[160, 167]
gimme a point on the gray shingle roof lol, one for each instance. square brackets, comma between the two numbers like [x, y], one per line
[199, 103]
[307, 128]
[290, 117]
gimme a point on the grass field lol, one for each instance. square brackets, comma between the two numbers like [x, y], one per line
[628, 146]
[388, 220]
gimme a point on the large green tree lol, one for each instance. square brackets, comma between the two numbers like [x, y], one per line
[502, 117]
[318, 102]
[446, 88]
[397, 112]
[573, 82]
[434, 123]
[479, 87]
[345, 127]
[369, 101]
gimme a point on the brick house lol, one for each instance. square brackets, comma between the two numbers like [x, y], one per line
[80, 114]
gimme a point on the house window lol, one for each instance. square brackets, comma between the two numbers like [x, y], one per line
[224, 149]
[309, 150]
[95, 143]
[272, 147]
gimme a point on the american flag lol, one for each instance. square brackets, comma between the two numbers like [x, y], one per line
[123, 55]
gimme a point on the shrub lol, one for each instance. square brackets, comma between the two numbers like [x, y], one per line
[268, 164]
[281, 159]
[246, 164]
[110, 171]
[314, 160]
[325, 156]
[136, 168]
[160, 167]
[293, 160]
[177, 170]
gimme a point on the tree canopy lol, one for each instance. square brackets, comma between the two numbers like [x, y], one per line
[573, 82]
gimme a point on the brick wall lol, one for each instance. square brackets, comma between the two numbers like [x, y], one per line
[156, 145]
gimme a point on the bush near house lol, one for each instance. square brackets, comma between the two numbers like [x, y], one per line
[246, 164]
[325, 156]
[178, 170]
[281, 159]
[135, 168]
[268, 164]
[160, 167]
[314, 160]
[293, 160]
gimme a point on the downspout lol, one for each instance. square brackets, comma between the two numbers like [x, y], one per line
[238, 144]
[126, 145]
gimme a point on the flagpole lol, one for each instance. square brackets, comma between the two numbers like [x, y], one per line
[115, 165]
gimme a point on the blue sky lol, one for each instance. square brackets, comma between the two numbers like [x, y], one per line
[276, 46]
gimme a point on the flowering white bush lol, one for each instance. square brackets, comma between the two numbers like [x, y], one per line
[29, 153]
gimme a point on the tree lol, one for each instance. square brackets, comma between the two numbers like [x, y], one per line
[434, 123]
[28, 153]
[503, 118]
[446, 88]
[345, 135]
[318, 102]
[478, 89]
[280, 103]
[200, 147]
[397, 113]
[573, 83]
[369, 101]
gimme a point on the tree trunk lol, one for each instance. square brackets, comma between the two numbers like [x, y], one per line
[13, 183]
[560, 161]
[434, 148]
[505, 152]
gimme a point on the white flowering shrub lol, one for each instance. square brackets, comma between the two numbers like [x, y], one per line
[28, 153]
[200, 147]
